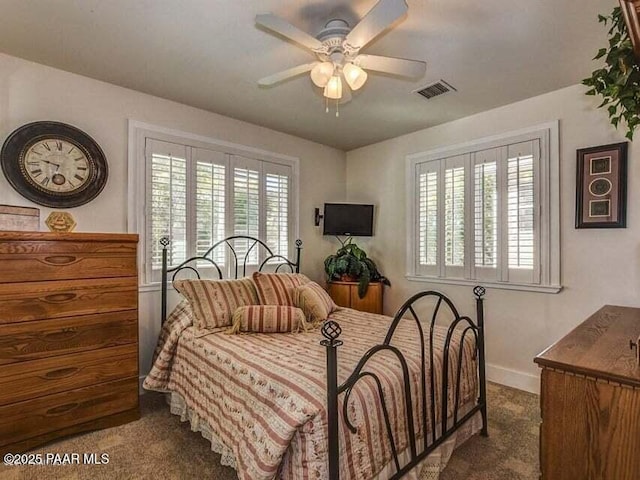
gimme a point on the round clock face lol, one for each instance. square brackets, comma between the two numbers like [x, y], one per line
[54, 164]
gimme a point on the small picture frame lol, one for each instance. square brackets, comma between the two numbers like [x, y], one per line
[601, 187]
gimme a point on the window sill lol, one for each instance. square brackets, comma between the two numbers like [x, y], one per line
[153, 287]
[499, 285]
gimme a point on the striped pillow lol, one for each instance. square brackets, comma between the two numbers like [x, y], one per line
[316, 304]
[277, 288]
[214, 301]
[268, 319]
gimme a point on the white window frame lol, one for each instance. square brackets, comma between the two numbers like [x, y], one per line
[139, 132]
[548, 191]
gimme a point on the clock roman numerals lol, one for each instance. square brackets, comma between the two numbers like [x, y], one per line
[46, 145]
[45, 182]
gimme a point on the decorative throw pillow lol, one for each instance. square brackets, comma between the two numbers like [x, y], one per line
[268, 319]
[277, 288]
[316, 304]
[214, 301]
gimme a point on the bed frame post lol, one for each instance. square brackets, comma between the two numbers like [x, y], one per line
[164, 241]
[479, 293]
[331, 331]
[298, 254]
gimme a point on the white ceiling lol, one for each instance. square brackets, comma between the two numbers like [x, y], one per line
[209, 54]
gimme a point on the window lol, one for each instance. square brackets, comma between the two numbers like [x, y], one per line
[487, 212]
[199, 193]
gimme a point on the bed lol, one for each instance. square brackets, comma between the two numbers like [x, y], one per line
[354, 399]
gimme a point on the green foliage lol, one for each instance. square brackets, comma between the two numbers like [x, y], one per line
[619, 81]
[351, 260]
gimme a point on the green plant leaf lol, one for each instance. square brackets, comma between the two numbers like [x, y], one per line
[351, 260]
[363, 284]
[618, 83]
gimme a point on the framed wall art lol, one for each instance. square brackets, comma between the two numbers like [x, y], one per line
[601, 187]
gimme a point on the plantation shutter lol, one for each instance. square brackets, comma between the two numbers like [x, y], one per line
[246, 205]
[427, 181]
[166, 209]
[210, 202]
[522, 218]
[482, 212]
[453, 233]
[486, 219]
[277, 181]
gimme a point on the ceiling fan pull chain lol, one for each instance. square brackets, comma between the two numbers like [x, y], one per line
[337, 107]
[326, 103]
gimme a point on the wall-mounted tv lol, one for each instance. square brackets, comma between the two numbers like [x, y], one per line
[348, 219]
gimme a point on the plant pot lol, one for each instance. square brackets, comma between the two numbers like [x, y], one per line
[347, 278]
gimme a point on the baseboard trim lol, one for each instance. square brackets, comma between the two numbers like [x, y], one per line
[513, 378]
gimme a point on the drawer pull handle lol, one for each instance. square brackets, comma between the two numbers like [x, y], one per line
[61, 373]
[62, 409]
[61, 336]
[60, 297]
[60, 259]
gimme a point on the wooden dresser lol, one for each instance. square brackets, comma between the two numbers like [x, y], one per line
[590, 400]
[68, 335]
[345, 294]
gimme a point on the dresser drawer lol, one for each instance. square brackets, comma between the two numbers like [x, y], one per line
[26, 341]
[51, 247]
[65, 266]
[23, 420]
[25, 380]
[39, 300]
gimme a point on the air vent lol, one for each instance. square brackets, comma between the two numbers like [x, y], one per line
[435, 89]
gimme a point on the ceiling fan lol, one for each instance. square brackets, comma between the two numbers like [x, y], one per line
[337, 48]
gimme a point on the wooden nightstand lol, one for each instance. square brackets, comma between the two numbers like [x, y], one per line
[345, 294]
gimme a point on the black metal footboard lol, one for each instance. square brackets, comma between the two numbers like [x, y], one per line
[447, 424]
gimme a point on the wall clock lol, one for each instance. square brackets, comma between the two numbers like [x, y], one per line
[54, 164]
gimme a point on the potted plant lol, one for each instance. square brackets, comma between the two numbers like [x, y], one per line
[619, 81]
[351, 264]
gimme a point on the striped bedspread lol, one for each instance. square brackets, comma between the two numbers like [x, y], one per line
[264, 395]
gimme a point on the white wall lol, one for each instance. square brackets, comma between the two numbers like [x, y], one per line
[597, 266]
[31, 92]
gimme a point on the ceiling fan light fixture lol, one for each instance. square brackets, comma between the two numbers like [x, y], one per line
[322, 73]
[354, 75]
[333, 89]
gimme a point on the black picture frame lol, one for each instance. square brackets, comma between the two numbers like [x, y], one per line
[603, 203]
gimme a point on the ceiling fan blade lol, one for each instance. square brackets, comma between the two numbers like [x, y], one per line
[276, 78]
[377, 20]
[284, 28]
[393, 66]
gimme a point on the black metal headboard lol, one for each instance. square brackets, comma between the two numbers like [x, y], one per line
[252, 245]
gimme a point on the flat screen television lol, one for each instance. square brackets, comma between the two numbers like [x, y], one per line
[348, 219]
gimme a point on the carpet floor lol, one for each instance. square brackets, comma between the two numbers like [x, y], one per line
[159, 446]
